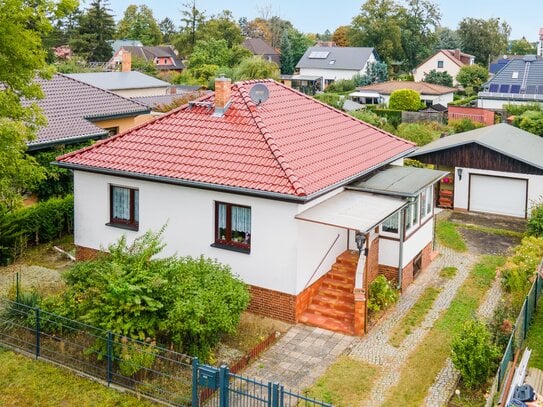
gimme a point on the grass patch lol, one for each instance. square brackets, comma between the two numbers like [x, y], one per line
[414, 317]
[345, 383]
[447, 234]
[448, 272]
[25, 382]
[45, 256]
[535, 338]
[492, 231]
[428, 358]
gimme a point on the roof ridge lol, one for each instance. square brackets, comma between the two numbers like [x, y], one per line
[270, 141]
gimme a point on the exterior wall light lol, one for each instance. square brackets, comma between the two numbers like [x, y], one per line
[360, 240]
[459, 172]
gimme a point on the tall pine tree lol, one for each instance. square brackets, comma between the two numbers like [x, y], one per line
[287, 61]
[96, 27]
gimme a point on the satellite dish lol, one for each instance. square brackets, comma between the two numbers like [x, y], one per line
[259, 93]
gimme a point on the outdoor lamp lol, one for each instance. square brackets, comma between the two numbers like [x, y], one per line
[459, 172]
[360, 239]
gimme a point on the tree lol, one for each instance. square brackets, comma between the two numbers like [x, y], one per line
[473, 353]
[221, 26]
[191, 18]
[96, 27]
[447, 39]
[299, 43]
[379, 25]
[288, 64]
[485, 39]
[404, 99]
[341, 36]
[376, 72]
[438, 78]
[216, 52]
[167, 28]
[472, 76]
[522, 47]
[419, 21]
[256, 67]
[24, 24]
[138, 23]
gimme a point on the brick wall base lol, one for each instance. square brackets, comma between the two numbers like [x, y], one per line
[304, 298]
[85, 253]
[273, 304]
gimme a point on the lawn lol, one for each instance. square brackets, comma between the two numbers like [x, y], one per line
[428, 358]
[448, 235]
[448, 272]
[535, 338]
[414, 317]
[346, 383]
[26, 382]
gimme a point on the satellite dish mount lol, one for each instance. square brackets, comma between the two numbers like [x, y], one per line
[259, 93]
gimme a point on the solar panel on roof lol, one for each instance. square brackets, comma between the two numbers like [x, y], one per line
[493, 87]
[504, 88]
[515, 89]
[531, 90]
[319, 54]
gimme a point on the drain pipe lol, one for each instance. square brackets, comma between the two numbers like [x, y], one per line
[400, 254]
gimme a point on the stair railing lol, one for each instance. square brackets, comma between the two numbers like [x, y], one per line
[322, 261]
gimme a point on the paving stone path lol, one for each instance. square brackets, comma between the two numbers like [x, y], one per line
[374, 347]
[300, 357]
[447, 379]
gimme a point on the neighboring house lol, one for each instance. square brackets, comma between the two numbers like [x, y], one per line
[335, 63]
[540, 43]
[261, 48]
[298, 198]
[158, 102]
[77, 112]
[379, 93]
[163, 57]
[118, 44]
[444, 60]
[127, 84]
[520, 81]
[309, 85]
[495, 169]
[499, 63]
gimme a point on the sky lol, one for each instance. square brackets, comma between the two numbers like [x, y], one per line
[315, 16]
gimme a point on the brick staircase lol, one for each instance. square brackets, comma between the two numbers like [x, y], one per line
[332, 307]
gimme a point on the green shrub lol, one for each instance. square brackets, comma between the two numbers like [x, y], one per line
[531, 121]
[534, 227]
[439, 78]
[343, 85]
[473, 354]
[517, 110]
[369, 117]
[501, 325]
[463, 101]
[404, 99]
[394, 117]
[472, 76]
[35, 224]
[330, 99]
[131, 292]
[415, 132]
[462, 125]
[381, 294]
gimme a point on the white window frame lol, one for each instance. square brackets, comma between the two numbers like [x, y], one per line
[412, 216]
[427, 203]
[387, 232]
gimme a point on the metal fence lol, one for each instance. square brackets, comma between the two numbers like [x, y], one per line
[520, 330]
[144, 367]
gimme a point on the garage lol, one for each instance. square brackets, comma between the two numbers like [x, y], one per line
[499, 195]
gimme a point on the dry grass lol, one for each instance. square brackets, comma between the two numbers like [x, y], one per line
[346, 383]
[448, 272]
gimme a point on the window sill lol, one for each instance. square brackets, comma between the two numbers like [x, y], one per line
[231, 248]
[134, 228]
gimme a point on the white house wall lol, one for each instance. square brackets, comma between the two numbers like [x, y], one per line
[330, 74]
[461, 187]
[189, 213]
[448, 66]
[498, 104]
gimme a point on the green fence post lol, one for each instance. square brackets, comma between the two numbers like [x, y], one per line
[526, 317]
[275, 395]
[195, 364]
[109, 357]
[224, 375]
[37, 311]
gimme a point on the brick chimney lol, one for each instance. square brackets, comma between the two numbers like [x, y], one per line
[126, 61]
[222, 95]
[457, 54]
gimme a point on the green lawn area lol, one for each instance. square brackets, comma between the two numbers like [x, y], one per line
[346, 383]
[27, 382]
[448, 272]
[493, 231]
[428, 358]
[535, 337]
[414, 317]
[448, 236]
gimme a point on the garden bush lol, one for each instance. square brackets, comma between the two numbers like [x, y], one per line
[534, 227]
[187, 302]
[462, 125]
[330, 99]
[381, 294]
[35, 224]
[343, 85]
[415, 132]
[517, 110]
[369, 117]
[405, 99]
[473, 354]
[394, 117]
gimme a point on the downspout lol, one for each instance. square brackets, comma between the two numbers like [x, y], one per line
[400, 254]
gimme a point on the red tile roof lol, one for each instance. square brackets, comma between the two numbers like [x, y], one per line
[291, 144]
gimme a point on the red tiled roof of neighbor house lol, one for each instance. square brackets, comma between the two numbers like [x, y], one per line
[290, 144]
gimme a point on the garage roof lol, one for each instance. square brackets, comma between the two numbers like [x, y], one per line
[503, 138]
[397, 180]
[353, 210]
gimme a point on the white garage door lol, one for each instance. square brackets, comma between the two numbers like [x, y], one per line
[503, 196]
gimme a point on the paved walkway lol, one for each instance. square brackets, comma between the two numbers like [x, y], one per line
[300, 357]
[374, 347]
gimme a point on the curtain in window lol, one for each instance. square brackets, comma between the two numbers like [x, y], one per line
[392, 224]
[121, 203]
[136, 206]
[429, 199]
[241, 219]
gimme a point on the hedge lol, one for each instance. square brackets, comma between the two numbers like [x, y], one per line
[394, 117]
[35, 224]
